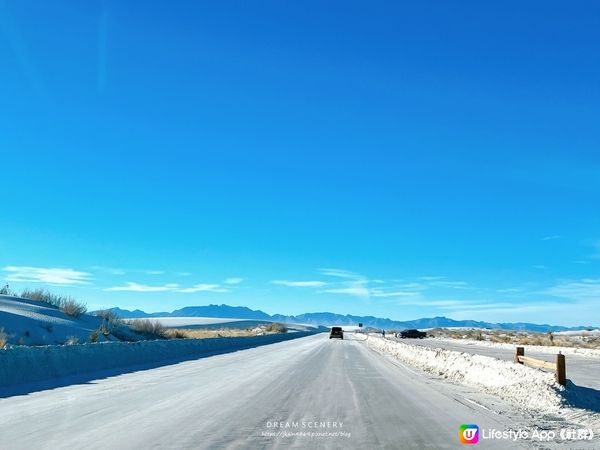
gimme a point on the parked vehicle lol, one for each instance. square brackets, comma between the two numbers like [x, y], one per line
[412, 334]
[336, 332]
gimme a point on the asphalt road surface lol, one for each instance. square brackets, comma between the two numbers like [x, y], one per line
[245, 399]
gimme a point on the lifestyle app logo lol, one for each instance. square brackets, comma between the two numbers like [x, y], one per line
[468, 434]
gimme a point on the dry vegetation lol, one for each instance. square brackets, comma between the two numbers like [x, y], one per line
[43, 296]
[71, 340]
[112, 326]
[93, 336]
[150, 329]
[72, 307]
[110, 321]
[276, 327]
[6, 290]
[3, 338]
[583, 340]
[204, 333]
[68, 305]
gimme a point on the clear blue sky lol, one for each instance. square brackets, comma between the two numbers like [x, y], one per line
[397, 159]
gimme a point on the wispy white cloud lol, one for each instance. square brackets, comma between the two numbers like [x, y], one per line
[311, 283]
[508, 312]
[110, 270]
[203, 287]
[416, 286]
[445, 303]
[52, 276]
[340, 273]
[596, 254]
[451, 284]
[551, 238]
[137, 287]
[476, 305]
[483, 308]
[356, 290]
[584, 289]
[358, 285]
[233, 280]
[351, 283]
[382, 293]
[117, 271]
[169, 287]
[397, 290]
[539, 267]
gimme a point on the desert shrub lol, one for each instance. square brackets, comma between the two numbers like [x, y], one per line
[176, 334]
[276, 327]
[72, 340]
[3, 338]
[94, 336]
[532, 340]
[68, 305]
[72, 307]
[110, 320]
[109, 316]
[125, 333]
[521, 337]
[204, 333]
[6, 290]
[150, 329]
[42, 295]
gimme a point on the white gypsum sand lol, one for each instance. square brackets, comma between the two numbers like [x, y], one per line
[527, 388]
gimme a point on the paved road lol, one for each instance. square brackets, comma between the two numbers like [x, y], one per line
[231, 401]
[583, 371]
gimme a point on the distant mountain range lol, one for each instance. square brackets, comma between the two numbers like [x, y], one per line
[327, 318]
[223, 311]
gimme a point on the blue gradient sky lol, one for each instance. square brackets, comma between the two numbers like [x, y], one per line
[391, 159]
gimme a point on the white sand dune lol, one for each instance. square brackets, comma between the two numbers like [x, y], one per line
[29, 322]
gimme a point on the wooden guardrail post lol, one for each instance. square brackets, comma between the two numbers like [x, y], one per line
[561, 369]
[520, 352]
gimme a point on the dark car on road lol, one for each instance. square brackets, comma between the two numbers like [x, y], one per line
[336, 332]
[412, 334]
